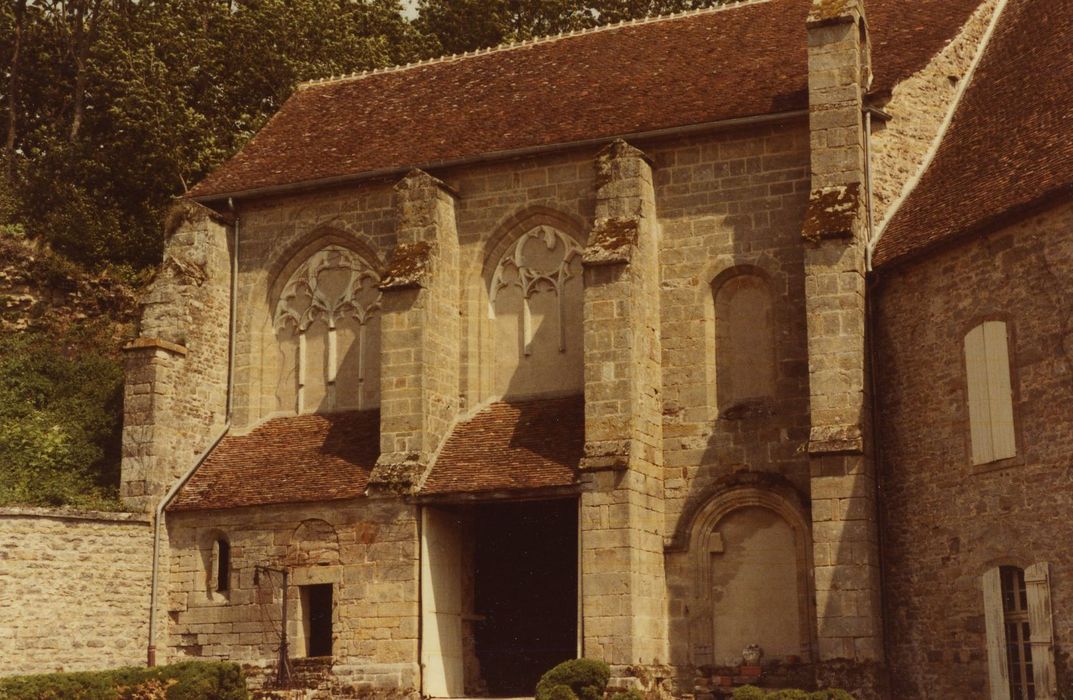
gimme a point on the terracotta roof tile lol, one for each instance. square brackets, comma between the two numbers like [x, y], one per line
[677, 71]
[287, 460]
[508, 446]
[1008, 148]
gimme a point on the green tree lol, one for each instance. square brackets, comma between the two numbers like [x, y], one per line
[465, 25]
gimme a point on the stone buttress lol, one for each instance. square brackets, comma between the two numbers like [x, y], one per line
[623, 579]
[420, 335]
[843, 489]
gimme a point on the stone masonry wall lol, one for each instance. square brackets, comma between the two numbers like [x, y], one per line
[274, 236]
[918, 106]
[74, 590]
[724, 201]
[946, 522]
[175, 393]
[367, 549]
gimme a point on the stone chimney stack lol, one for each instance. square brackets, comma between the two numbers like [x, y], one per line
[843, 492]
[419, 361]
[175, 394]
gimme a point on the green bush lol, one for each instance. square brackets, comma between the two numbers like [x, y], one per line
[631, 694]
[191, 680]
[585, 679]
[61, 398]
[789, 694]
[751, 692]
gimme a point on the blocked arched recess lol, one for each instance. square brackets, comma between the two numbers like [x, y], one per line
[741, 341]
[313, 543]
[485, 376]
[769, 526]
[271, 366]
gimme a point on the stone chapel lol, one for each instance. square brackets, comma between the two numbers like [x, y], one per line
[648, 343]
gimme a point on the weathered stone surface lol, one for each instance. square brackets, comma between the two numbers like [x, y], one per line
[74, 590]
[942, 515]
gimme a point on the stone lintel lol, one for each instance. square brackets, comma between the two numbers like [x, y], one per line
[835, 440]
[155, 344]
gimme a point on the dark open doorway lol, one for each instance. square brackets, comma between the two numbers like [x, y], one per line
[525, 559]
[317, 618]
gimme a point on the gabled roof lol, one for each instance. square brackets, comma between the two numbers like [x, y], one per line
[696, 68]
[1008, 148]
[512, 446]
[296, 459]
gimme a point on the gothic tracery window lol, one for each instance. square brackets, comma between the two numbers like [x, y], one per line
[535, 302]
[327, 314]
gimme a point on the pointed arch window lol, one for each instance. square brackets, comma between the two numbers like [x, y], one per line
[329, 305]
[544, 267]
[535, 305]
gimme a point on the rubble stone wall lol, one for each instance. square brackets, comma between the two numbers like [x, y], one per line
[945, 521]
[74, 590]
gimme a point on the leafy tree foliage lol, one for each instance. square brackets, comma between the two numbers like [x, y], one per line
[116, 106]
[60, 407]
[464, 25]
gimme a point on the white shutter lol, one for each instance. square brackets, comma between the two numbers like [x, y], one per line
[979, 396]
[1000, 394]
[997, 671]
[987, 367]
[1037, 583]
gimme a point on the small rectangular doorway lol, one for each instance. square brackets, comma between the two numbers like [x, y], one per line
[499, 595]
[317, 618]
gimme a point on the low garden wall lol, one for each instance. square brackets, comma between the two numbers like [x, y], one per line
[74, 590]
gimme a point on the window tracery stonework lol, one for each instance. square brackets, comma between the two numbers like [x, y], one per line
[334, 285]
[535, 268]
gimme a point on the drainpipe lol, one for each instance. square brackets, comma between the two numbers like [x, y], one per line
[158, 518]
[871, 287]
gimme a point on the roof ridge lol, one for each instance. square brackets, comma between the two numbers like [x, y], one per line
[509, 46]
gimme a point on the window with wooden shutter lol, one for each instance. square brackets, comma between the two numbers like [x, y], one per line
[996, 636]
[1020, 651]
[987, 365]
[1038, 598]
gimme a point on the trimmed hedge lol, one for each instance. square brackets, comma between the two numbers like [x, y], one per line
[577, 679]
[751, 692]
[190, 680]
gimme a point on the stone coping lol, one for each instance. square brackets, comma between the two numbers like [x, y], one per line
[156, 344]
[74, 514]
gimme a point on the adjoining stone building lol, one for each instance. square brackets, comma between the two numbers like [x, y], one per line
[572, 348]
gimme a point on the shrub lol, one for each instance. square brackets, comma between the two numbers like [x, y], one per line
[751, 692]
[191, 680]
[585, 679]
